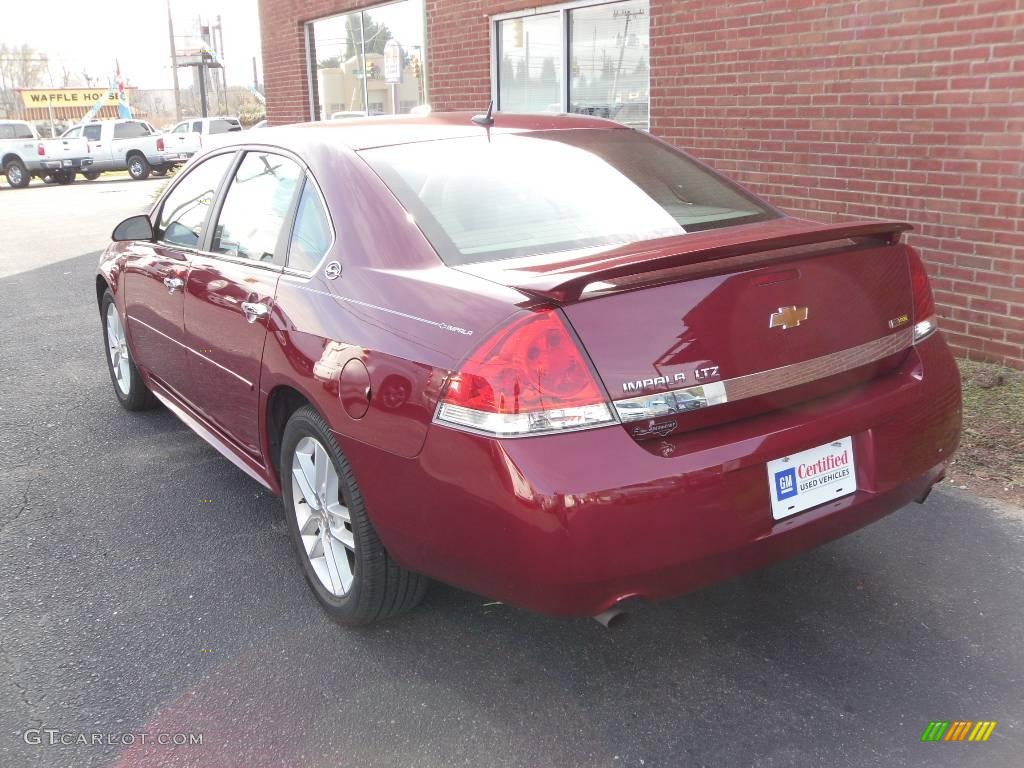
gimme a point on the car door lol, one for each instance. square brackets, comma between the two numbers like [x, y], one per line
[229, 297]
[126, 137]
[156, 272]
[99, 150]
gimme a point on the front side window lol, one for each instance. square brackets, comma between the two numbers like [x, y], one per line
[256, 206]
[486, 198]
[607, 47]
[130, 130]
[184, 211]
[312, 234]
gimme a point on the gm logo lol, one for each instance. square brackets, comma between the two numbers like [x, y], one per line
[785, 483]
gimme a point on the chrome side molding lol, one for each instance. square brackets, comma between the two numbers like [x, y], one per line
[675, 401]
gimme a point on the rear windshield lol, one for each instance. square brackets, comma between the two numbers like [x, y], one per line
[479, 199]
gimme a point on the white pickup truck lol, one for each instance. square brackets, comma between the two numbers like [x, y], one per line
[132, 145]
[24, 155]
[196, 131]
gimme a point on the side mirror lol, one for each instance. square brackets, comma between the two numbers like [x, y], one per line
[134, 228]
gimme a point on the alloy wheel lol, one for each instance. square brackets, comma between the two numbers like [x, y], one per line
[324, 522]
[117, 347]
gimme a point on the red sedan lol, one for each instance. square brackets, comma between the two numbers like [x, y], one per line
[548, 359]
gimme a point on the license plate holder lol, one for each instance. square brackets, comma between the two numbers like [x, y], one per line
[809, 478]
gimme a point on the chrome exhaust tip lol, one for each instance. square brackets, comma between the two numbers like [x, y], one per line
[613, 617]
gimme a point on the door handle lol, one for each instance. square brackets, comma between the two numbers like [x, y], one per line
[174, 284]
[254, 310]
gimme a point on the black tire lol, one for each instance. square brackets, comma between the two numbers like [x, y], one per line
[138, 167]
[381, 588]
[17, 176]
[91, 175]
[138, 397]
[160, 170]
[64, 177]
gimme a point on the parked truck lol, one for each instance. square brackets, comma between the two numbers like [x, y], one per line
[23, 154]
[131, 145]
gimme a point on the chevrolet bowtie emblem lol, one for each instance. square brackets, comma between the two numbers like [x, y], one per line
[788, 317]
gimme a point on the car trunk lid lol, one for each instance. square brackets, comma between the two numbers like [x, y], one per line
[747, 319]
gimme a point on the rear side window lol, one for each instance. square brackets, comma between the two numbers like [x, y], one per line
[184, 211]
[74, 133]
[256, 206]
[15, 131]
[197, 126]
[131, 130]
[180, 128]
[486, 198]
[224, 126]
[311, 236]
[92, 132]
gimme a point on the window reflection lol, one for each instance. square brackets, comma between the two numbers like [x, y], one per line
[609, 55]
[608, 52]
[351, 54]
[530, 61]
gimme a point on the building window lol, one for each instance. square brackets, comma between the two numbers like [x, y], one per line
[368, 62]
[605, 48]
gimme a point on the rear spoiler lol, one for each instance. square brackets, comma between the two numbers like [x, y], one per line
[567, 282]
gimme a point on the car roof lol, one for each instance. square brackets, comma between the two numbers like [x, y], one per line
[369, 132]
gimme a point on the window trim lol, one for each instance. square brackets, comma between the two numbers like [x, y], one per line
[239, 150]
[563, 9]
[280, 256]
[310, 179]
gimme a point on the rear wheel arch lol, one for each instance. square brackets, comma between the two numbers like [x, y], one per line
[282, 402]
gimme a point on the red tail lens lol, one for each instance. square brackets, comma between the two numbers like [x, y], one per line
[41, 150]
[160, 144]
[532, 377]
[924, 303]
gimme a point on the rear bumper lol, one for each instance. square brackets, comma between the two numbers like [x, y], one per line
[570, 524]
[67, 164]
[171, 158]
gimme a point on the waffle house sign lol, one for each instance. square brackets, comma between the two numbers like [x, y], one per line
[67, 97]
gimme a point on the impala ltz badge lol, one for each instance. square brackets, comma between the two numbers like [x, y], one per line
[333, 270]
[787, 317]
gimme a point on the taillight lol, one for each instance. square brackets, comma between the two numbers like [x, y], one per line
[41, 150]
[530, 378]
[160, 145]
[925, 321]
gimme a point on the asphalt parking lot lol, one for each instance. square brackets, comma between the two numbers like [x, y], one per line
[149, 586]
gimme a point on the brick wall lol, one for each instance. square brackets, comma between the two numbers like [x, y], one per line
[905, 109]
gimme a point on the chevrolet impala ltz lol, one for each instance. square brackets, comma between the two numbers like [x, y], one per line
[548, 359]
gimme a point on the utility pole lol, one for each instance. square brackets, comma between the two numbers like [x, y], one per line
[174, 63]
[219, 46]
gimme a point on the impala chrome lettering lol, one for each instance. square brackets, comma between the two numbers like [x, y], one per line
[656, 381]
[455, 329]
[706, 373]
[787, 317]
